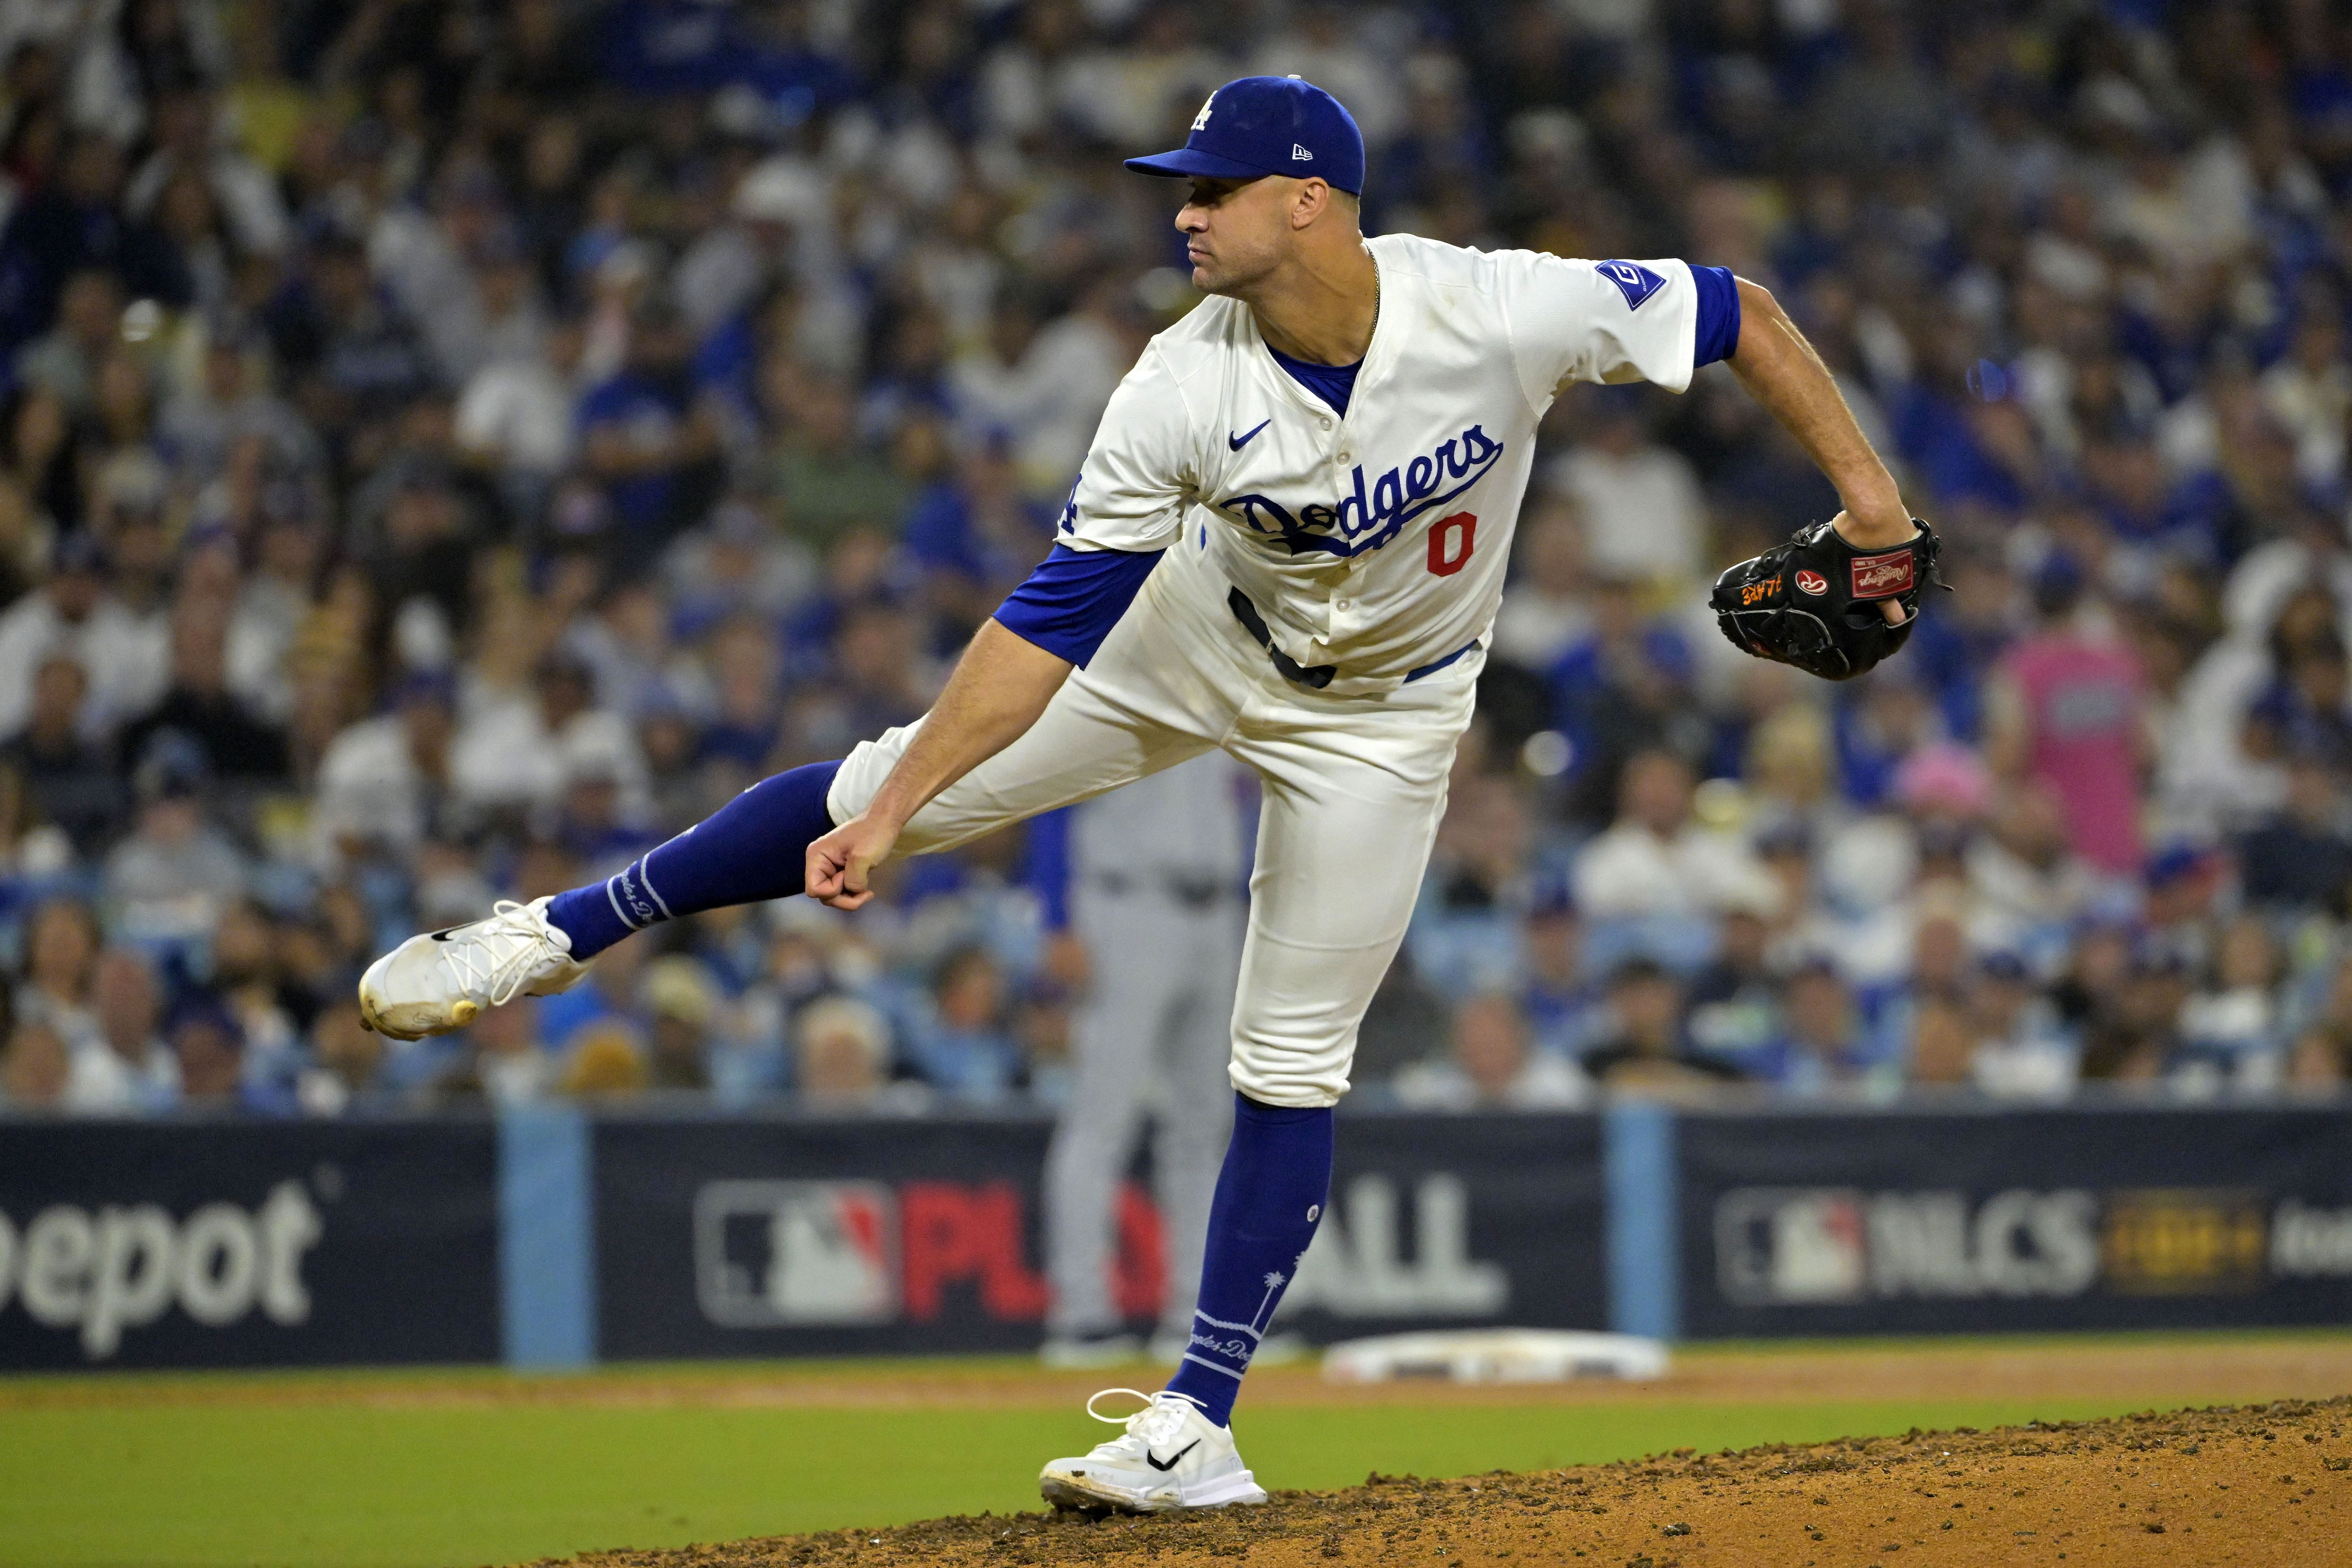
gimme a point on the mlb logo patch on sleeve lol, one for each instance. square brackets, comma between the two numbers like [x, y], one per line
[1882, 576]
[1633, 280]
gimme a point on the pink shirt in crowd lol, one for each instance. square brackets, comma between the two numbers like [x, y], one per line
[2082, 704]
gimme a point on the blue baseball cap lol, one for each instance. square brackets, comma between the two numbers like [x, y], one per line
[1267, 125]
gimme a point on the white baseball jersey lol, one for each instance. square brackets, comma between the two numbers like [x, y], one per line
[1376, 541]
[1372, 544]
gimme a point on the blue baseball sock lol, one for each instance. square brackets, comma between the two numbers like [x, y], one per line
[752, 848]
[1275, 1181]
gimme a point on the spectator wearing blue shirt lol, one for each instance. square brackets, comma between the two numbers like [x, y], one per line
[2142, 510]
[1620, 690]
[1881, 721]
[2300, 857]
[2303, 710]
[1959, 433]
[2020, 1051]
[210, 1045]
[961, 1046]
[644, 437]
[1736, 999]
[1464, 937]
[1821, 1052]
[607, 999]
[1561, 1001]
[655, 48]
[351, 358]
[1952, 649]
[974, 533]
[75, 220]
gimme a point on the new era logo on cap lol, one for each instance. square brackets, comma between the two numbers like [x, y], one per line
[1299, 154]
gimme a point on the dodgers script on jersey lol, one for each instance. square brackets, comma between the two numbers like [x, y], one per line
[1374, 542]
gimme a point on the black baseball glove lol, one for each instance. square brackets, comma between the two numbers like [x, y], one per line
[1814, 602]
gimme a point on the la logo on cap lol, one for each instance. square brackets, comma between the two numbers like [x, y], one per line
[1200, 121]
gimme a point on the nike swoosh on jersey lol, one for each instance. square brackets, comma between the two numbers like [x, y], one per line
[1149, 1456]
[1238, 442]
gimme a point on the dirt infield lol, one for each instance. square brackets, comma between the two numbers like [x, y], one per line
[2263, 1485]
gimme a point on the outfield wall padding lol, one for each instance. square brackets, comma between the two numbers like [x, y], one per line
[247, 1243]
[1974, 1221]
[552, 1238]
[800, 1237]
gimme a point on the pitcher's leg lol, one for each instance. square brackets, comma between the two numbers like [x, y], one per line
[1353, 791]
[1092, 737]
[1340, 857]
[751, 849]
[1107, 726]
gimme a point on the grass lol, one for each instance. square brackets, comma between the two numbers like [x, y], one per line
[141, 1477]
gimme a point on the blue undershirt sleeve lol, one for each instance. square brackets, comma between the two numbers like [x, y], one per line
[1074, 598]
[1045, 866]
[1719, 315]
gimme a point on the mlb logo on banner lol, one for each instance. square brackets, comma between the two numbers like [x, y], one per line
[779, 1254]
[1780, 1246]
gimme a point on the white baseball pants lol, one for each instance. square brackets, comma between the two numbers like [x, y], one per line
[1353, 789]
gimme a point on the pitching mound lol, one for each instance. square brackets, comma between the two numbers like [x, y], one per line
[2258, 1485]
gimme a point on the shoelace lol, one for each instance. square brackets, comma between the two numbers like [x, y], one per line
[1159, 1420]
[502, 970]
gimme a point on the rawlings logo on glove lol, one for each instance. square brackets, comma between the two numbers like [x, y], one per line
[1882, 576]
[1843, 632]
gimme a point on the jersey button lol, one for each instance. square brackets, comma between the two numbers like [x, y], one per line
[1327, 424]
[1347, 457]
[1341, 604]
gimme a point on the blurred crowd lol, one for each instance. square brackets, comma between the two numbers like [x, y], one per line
[451, 445]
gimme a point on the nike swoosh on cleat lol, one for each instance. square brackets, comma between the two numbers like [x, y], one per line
[446, 934]
[1238, 442]
[1149, 1456]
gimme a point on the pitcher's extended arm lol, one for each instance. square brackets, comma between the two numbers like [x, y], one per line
[1000, 687]
[1781, 370]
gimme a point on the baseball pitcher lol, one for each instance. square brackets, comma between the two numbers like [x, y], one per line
[1287, 541]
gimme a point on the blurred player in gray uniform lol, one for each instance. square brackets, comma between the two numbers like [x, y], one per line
[1155, 897]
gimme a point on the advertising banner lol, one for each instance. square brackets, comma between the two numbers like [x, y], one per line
[791, 1237]
[1456, 1222]
[247, 1244]
[1912, 1221]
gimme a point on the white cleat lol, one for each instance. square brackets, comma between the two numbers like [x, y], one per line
[1171, 1456]
[442, 980]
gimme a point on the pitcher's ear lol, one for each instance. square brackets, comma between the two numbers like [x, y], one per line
[1314, 196]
